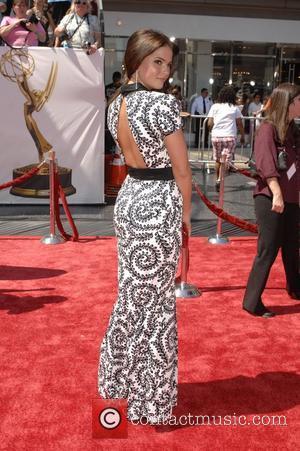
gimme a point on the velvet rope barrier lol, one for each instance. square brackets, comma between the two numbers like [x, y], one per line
[22, 178]
[68, 214]
[245, 172]
[59, 193]
[224, 215]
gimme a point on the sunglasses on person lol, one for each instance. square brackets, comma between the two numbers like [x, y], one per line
[78, 2]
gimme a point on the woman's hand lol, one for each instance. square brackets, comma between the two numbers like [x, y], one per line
[278, 204]
[92, 49]
[19, 22]
[187, 228]
[32, 27]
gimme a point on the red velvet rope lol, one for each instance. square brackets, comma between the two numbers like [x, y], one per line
[68, 214]
[226, 216]
[58, 192]
[21, 179]
[246, 173]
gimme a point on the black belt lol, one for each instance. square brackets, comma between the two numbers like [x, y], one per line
[151, 174]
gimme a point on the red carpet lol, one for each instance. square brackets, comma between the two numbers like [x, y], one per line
[54, 308]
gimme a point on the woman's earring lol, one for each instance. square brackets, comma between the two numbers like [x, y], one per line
[136, 78]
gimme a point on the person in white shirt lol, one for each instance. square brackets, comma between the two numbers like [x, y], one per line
[224, 119]
[201, 106]
[255, 108]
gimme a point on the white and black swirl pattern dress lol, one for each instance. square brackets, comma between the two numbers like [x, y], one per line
[138, 355]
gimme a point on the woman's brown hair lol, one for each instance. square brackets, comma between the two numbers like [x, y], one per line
[140, 45]
[277, 111]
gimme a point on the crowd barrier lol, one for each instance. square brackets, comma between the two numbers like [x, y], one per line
[218, 209]
[204, 155]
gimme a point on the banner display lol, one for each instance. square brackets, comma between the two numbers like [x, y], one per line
[60, 104]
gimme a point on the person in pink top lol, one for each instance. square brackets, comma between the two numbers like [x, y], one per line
[17, 31]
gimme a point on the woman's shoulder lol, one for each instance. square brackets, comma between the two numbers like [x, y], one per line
[67, 18]
[7, 20]
[165, 100]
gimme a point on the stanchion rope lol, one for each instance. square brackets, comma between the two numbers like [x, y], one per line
[223, 214]
[23, 177]
[59, 194]
[245, 172]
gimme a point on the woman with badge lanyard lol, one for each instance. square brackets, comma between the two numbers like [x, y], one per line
[79, 29]
[277, 155]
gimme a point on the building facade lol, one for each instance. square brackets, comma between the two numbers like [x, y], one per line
[251, 53]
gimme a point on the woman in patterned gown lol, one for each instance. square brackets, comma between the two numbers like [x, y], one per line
[138, 355]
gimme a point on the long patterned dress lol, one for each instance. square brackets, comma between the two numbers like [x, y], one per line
[138, 355]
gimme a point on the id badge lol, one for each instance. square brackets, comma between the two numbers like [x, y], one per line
[291, 171]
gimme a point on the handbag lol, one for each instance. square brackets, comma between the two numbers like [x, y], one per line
[281, 161]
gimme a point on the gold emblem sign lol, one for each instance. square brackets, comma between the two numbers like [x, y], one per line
[17, 65]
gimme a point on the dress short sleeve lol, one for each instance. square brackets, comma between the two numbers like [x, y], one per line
[5, 21]
[212, 111]
[169, 120]
[265, 151]
[65, 20]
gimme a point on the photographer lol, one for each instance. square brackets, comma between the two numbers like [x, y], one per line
[79, 29]
[40, 9]
[20, 30]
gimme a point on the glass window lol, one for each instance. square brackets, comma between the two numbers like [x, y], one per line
[291, 52]
[250, 48]
[221, 47]
[250, 73]
[221, 73]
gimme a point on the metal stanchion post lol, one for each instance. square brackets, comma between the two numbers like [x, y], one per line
[182, 288]
[218, 238]
[190, 133]
[52, 238]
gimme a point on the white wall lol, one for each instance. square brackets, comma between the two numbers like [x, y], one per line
[204, 27]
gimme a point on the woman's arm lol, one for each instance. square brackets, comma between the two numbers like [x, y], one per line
[38, 30]
[240, 127]
[62, 26]
[59, 30]
[6, 29]
[210, 123]
[93, 48]
[176, 147]
[277, 203]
